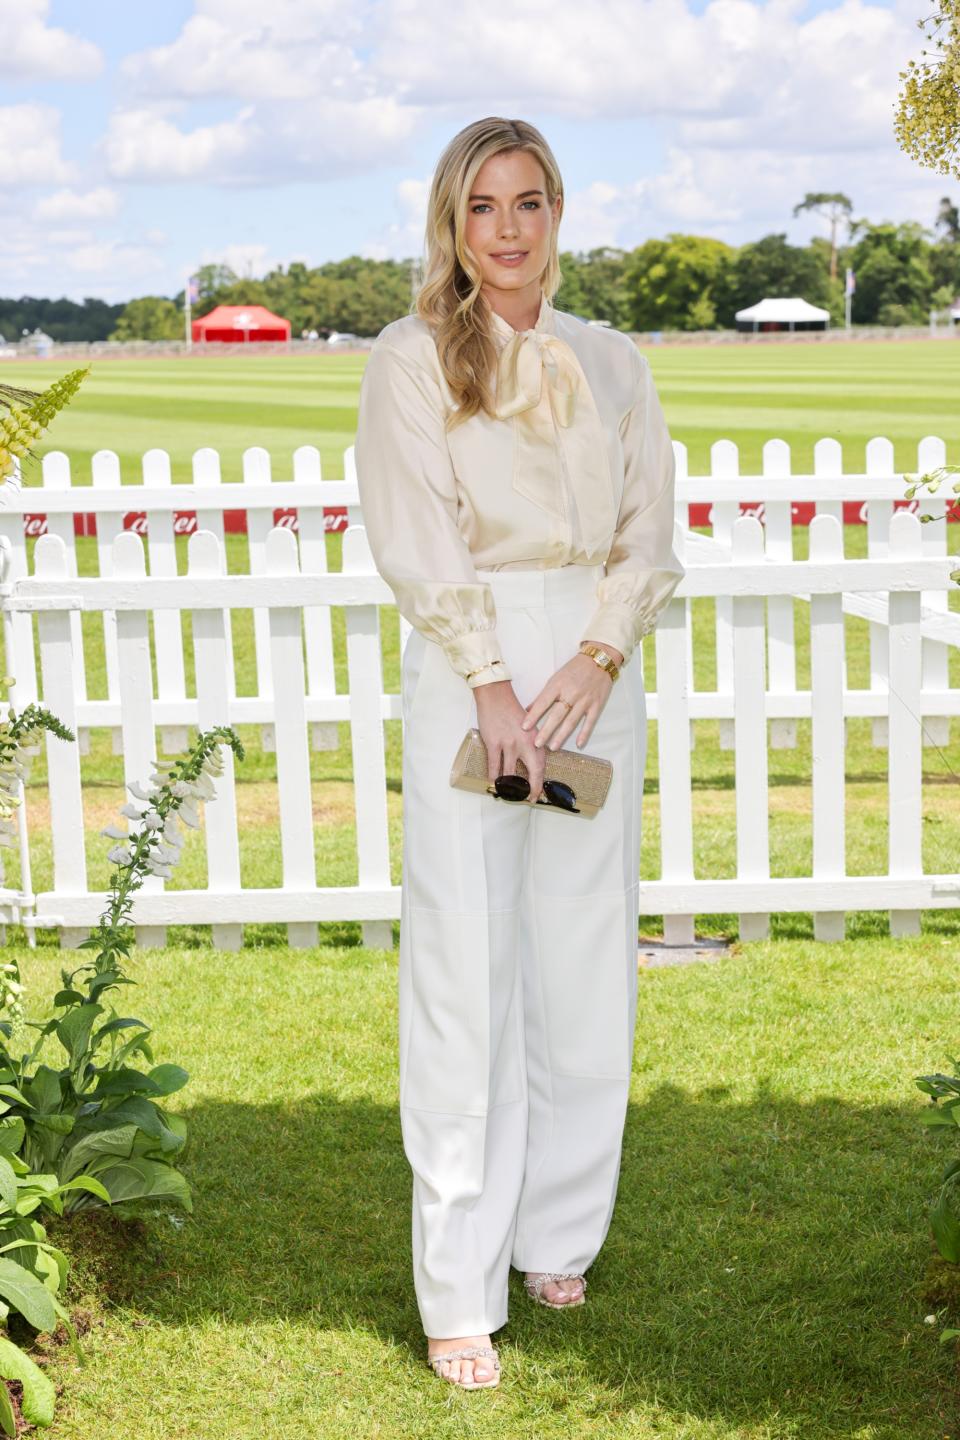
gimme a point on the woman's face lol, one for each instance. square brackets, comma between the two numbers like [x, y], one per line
[507, 216]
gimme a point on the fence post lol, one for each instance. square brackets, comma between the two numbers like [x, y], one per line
[211, 659]
[781, 647]
[317, 619]
[167, 629]
[931, 453]
[106, 476]
[724, 464]
[63, 759]
[292, 751]
[879, 515]
[365, 684]
[136, 697]
[904, 750]
[673, 749]
[827, 727]
[750, 727]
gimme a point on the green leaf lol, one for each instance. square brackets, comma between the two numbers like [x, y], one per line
[8, 1421]
[144, 1113]
[12, 1093]
[27, 1294]
[946, 1230]
[38, 1393]
[87, 1182]
[107, 1140]
[59, 1123]
[168, 1078]
[73, 1031]
[8, 1184]
[44, 1088]
[125, 1082]
[113, 1025]
[140, 1179]
[68, 997]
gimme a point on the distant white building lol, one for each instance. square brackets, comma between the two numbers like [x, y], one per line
[783, 314]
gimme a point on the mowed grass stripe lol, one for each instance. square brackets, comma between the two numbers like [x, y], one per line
[903, 390]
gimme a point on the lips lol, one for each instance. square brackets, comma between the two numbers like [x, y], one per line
[510, 254]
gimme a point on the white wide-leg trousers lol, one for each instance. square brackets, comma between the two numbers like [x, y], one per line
[517, 976]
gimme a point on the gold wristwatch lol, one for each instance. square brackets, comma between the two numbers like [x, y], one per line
[602, 658]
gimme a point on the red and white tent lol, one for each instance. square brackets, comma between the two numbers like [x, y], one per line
[233, 324]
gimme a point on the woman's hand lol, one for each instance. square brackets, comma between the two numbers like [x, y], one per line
[585, 686]
[500, 718]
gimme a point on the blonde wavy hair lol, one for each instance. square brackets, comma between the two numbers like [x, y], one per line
[448, 299]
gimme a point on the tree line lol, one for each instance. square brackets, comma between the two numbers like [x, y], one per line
[680, 282]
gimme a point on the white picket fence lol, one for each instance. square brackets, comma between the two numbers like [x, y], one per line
[747, 568]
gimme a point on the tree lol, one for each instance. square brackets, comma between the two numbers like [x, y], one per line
[670, 282]
[927, 119]
[594, 285]
[948, 220]
[772, 267]
[149, 318]
[833, 208]
[894, 278]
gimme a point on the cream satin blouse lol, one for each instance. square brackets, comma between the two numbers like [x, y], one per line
[577, 468]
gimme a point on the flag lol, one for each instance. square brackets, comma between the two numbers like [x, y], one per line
[193, 289]
[851, 282]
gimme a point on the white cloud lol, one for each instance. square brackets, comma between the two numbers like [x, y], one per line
[144, 145]
[262, 145]
[30, 146]
[101, 203]
[405, 237]
[40, 259]
[30, 49]
[300, 49]
[247, 261]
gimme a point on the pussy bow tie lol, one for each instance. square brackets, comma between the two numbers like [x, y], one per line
[540, 381]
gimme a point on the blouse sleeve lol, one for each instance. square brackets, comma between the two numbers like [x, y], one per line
[408, 496]
[642, 569]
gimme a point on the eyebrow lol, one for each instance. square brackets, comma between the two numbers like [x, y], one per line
[519, 196]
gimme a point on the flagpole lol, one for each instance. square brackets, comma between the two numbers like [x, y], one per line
[849, 288]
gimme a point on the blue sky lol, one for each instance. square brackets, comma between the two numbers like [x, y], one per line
[149, 139]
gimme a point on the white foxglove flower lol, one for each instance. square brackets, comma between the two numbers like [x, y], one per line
[133, 812]
[171, 830]
[152, 819]
[113, 832]
[188, 814]
[156, 868]
[137, 789]
[120, 854]
[180, 788]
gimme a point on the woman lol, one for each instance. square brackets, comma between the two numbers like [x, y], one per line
[516, 479]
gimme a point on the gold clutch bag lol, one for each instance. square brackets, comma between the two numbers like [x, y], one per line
[578, 783]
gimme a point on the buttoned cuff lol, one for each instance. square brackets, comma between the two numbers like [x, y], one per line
[476, 657]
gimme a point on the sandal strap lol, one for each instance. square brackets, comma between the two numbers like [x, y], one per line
[470, 1353]
[533, 1287]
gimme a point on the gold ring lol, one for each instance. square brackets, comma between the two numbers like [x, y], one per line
[568, 703]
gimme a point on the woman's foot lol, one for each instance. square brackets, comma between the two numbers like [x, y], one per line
[470, 1372]
[558, 1291]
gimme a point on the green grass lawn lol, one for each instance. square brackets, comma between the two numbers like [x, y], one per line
[764, 1276]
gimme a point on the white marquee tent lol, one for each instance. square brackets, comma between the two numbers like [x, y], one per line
[783, 314]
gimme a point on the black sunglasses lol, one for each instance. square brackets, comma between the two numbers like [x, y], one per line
[517, 787]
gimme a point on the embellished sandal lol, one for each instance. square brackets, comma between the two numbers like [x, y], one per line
[533, 1288]
[469, 1353]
